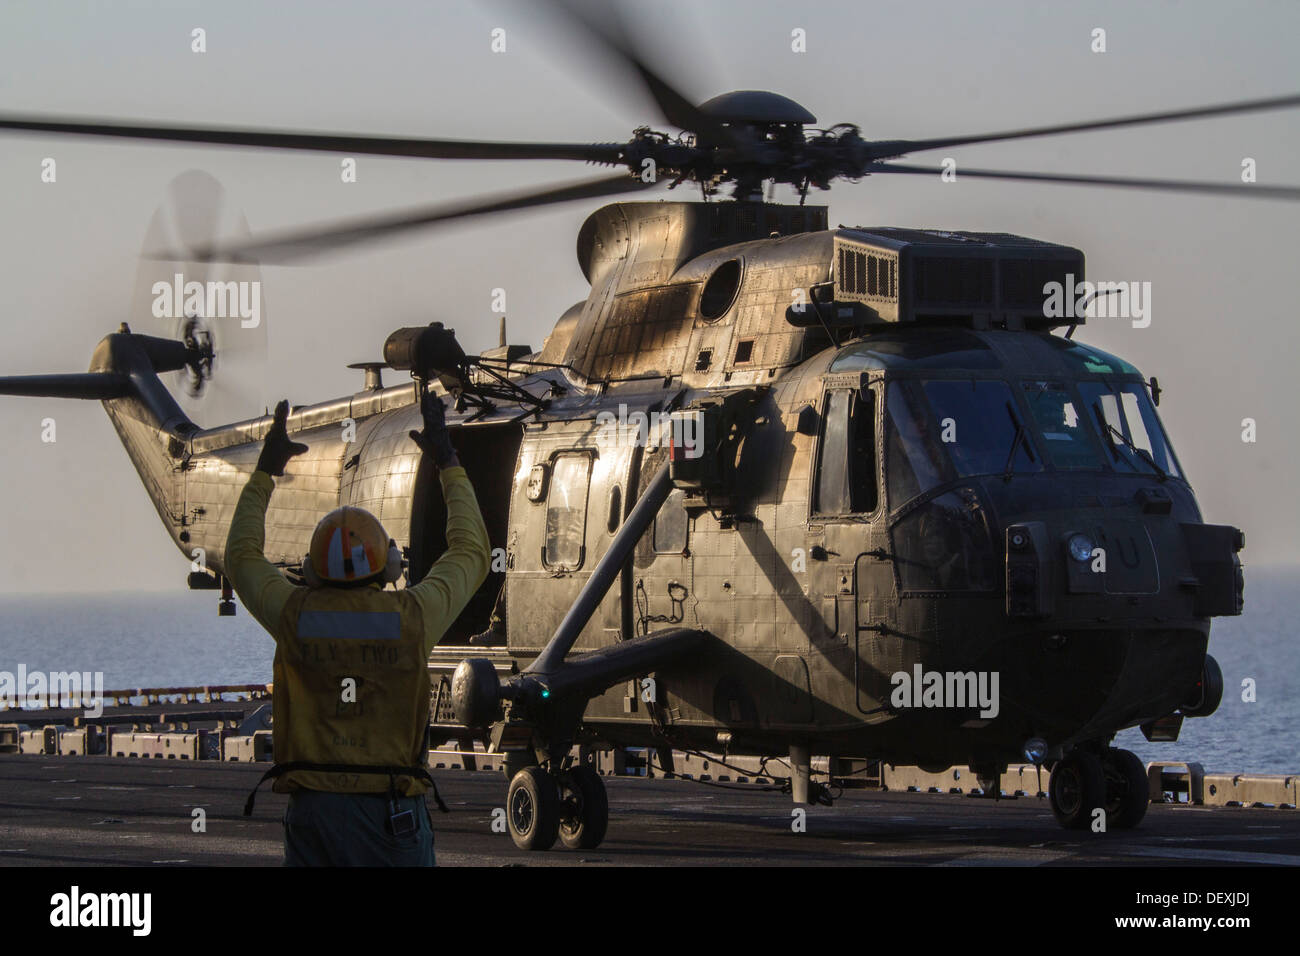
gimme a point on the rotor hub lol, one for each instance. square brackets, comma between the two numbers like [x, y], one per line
[198, 343]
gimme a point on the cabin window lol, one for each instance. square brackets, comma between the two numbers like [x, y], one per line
[669, 534]
[846, 465]
[615, 514]
[720, 290]
[566, 512]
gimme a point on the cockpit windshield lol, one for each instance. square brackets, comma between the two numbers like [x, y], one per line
[914, 462]
[1066, 435]
[1132, 433]
[939, 430]
[981, 427]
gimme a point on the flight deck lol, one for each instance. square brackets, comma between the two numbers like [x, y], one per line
[108, 811]
[196, 749]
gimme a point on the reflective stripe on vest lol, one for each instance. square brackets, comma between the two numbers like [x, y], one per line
[350, 625]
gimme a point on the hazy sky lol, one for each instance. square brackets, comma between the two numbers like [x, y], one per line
[1222, 340]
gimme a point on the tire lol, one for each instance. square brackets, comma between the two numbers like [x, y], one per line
[1077, 787]
[584, 809]
[1127, 790]
[1209, 693]
[533, 809]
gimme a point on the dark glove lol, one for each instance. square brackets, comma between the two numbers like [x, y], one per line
[435, 440]
[277, 449]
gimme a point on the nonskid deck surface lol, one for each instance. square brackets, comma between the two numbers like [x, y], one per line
[109, 811]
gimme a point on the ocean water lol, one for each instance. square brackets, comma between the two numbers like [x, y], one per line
[138, 639]
[169, 639]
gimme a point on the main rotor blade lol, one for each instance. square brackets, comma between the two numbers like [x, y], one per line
[288, 246]
[322, 142]
[1243, 191]
[676, 108]
[884, 149]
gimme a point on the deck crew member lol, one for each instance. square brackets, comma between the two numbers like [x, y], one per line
[351, 702]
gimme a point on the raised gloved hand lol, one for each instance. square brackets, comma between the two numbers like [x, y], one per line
[277, 449]
[435, 440]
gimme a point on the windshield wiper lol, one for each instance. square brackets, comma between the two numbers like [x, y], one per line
[1016, 439]
[1111, 433]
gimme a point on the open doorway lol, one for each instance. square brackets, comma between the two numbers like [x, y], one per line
[489, 453]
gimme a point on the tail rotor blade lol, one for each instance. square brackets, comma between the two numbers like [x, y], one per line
[183, 296]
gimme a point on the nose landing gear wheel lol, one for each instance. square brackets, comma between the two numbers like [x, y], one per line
[1077, 787]
[1208, 691]
[584, 809]
[533, 809]
[1127, 791]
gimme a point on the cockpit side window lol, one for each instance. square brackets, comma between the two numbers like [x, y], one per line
[864, 490]
[846, 462]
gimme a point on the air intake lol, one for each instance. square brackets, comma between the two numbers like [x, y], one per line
[915, 275]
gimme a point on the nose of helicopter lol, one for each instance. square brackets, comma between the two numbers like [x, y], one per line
[1103, 597]
[1112, 605]
[1092, 567]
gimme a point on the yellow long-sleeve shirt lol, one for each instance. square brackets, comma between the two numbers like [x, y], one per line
[351, 678]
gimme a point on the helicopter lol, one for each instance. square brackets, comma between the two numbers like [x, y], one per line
[771, 488]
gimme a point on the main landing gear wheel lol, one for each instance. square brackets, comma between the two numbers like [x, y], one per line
[1127, 791]
[533, 809]
[584, 809]
[1077, 787]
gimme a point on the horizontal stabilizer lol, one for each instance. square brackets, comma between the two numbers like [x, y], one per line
[96, 385]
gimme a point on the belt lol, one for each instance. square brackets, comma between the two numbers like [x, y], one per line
[419, 773]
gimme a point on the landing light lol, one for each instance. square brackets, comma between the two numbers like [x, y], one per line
[1035, 750]
[1080, 547]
